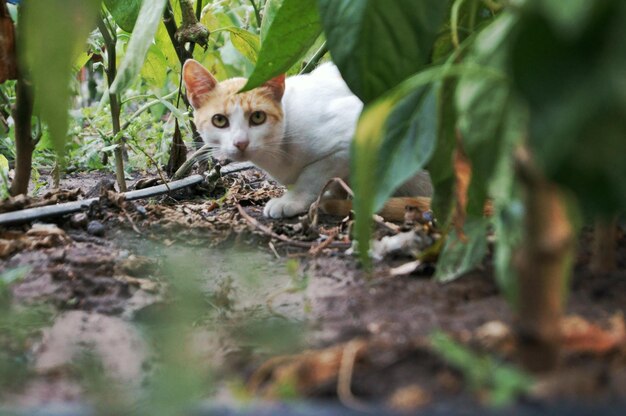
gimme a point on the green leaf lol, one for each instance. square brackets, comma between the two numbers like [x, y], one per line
[54, 31]
[246, 42]
[124, 12]
[370, 134]
[440, 167]
[377, 44]
[293, 31]
[460, 256]
[508, 216]
[409, 141]
[503, 383]
[394, 139]
[269, 13]
[4, 164]
[577, 101]
[482, 104]
[161, 59]
[146, 26]
[154, 70]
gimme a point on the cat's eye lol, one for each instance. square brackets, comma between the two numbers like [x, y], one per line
[258, 117]
[220, 121]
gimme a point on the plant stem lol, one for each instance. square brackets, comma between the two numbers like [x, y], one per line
[170, 25]
[603, 258]
[315, 59]
[24, 145]
[257, 13]
[543, 267]
[110, 40]
[183, 54]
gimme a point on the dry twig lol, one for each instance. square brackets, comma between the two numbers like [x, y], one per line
[284, 239]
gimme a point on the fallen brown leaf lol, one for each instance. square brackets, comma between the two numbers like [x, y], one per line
[581, 336]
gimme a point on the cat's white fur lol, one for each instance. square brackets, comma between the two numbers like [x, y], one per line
[309, 147]
[320, 119]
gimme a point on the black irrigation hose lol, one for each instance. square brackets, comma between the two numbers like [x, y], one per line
[31, 214]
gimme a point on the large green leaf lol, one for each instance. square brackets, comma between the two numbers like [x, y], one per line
[371, 132]
[154, 70]
[440, 167]
[461, 255]
[377, 44]
[408, 143]
[574, 86]
[569, 18]
[146, 26]
[395, 138]
[293, 31]
[161, 59]
[508, 216]
[491, 127]
[124, 12]
[54, 30]
[269, 13]
[482, 104]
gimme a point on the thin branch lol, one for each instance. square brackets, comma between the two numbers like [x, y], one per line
[151, 159]
[284, 239]
[315, 59]
[257, 13]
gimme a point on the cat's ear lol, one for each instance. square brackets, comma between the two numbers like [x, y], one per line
[198, 81]
[276, 86]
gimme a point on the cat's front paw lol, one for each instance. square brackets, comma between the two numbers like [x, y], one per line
[286, 206]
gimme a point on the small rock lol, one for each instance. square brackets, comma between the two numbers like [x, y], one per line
[96, 228]
[79, 220]
[141, 210]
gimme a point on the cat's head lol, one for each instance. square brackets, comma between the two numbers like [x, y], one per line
[240, 126]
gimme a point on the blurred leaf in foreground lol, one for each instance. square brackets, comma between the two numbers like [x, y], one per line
[53, 31]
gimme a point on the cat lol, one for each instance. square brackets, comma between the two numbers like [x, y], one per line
[297, 129]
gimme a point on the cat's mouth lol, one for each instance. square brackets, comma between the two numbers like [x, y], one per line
[239, 156]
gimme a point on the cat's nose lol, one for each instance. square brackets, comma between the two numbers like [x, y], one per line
[241, 144]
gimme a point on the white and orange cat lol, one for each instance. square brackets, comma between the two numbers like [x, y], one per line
[297, 129]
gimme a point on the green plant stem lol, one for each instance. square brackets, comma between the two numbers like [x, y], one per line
[257, 12]
[24, 144]
[170, 26]
[319, 54]
[198, 9]
[110, 40]
[183, 54]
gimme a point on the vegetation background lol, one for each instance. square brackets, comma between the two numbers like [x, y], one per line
[517, 107]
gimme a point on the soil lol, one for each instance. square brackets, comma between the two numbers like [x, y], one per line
[282, 303]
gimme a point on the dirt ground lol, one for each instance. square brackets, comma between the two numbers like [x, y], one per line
[333, 332]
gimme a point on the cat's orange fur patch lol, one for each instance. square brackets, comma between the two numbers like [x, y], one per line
[225, 97]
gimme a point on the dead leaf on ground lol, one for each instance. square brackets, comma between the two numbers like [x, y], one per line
[581, 336]
[308, 372]
[39, 236]
[495, 335]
